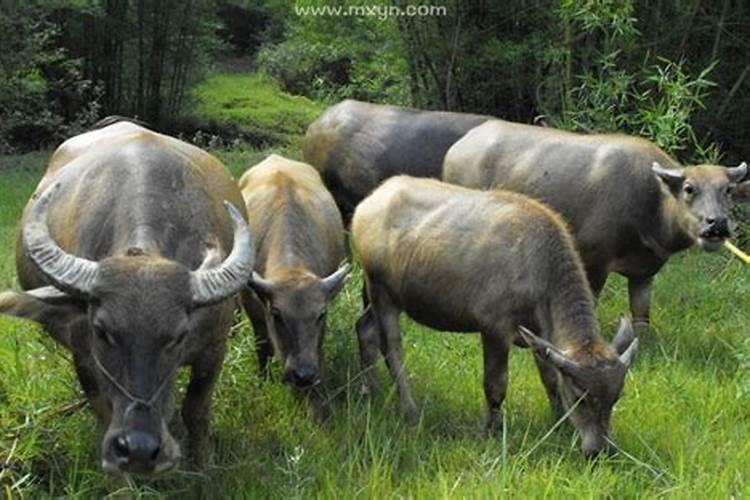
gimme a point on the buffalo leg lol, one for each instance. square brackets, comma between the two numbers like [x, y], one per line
[495, 351]
[263, 347]
[196, 407]
[387, 316]
[87, 379]
[639, 292]
[549, 380]
[368, 335]
[597, 280]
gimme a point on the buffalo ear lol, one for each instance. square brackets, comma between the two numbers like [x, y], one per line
[673, 177]
[742, 192]
[547, 352]
[48, 306]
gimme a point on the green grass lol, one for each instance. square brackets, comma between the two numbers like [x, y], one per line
[255, 102]
[683, 420]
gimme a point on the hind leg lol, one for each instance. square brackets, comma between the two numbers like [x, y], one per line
[495, 349]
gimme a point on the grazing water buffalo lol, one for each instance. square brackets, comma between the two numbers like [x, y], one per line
[356, 145]
[300, 242]
[461, 260]
[120, 256]
[608, 188]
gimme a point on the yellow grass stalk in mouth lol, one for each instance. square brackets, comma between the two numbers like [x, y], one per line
[739, 253]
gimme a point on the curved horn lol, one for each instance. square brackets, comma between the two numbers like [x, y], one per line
[624, 336]
[629, 355]
[65, 271]
[211, 286]
[736, 174]
[261, 286]
[332, 284]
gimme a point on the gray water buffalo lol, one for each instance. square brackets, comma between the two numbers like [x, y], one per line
[129, 248]
[300, 242]
[462, 260]
[356, 145]
[629, 204]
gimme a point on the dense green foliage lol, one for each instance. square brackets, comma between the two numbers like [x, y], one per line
[682, 421]
[673, 70]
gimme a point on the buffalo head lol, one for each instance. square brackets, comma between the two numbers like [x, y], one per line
[131, 320]
[589, 381]
[705, 192]
[295, 309]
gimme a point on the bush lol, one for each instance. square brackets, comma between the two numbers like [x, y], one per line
[306, 68]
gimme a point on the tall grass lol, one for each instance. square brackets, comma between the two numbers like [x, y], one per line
[682, 423]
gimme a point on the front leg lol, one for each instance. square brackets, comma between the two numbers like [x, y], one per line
[87, 378]
[495, 350]
[387, 315]
[368, 336]
[549, 380]
[263, 347]
[639, 292]
[197, 404]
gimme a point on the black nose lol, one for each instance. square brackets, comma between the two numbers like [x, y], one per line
[305, 376]
[137, 446]
[718, 225]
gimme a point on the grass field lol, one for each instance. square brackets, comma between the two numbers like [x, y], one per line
[254, 102]
[683, 422]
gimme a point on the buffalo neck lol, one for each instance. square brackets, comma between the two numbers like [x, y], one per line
[675, 224]
[571, 319]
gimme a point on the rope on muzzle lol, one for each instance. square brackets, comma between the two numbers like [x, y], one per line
[135, 400]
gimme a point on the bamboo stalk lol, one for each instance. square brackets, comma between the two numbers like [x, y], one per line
[739, 253]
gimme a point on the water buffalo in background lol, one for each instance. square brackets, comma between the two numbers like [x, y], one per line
[462, 260]
[127, 253]
[356, 145]
[629, 204]
[299, 244]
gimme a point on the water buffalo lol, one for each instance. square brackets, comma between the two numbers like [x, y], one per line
[356, 145]
[462, 260]
[300, 242]
[121, 256]
[629, 204]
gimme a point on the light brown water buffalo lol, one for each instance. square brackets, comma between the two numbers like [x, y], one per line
[629, 204]
[300, 242]
[461, 260]
[356, 145]
[128, 250]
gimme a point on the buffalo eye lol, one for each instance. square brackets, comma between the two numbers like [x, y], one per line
[103, 335]
[276, 313]
[178, 340]
[688, 189]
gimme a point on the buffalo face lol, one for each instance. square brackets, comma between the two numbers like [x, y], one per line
[141, 322]
[130, 320]
[705, 191]
[295, 309]
[589, 382]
